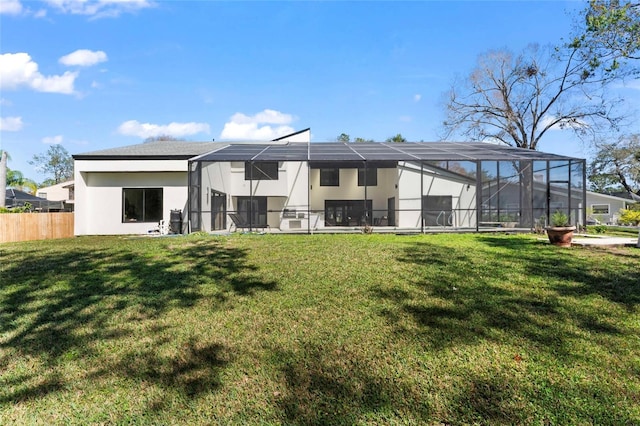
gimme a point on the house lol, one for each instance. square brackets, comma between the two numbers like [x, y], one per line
[605, 209]
[292, 185]
[16, 198]
[63, 191]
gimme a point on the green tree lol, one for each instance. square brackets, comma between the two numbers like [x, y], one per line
[396, 139]
[56, 163]
[343, 138]
[611, 28]
[616, 166]
[162, 138]
[362, 140]
[15, 178]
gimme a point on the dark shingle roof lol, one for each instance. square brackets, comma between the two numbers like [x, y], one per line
[157, 150]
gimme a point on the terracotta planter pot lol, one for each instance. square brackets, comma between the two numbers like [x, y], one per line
[561, 235]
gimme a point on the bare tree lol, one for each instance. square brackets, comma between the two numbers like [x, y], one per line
[517, 99]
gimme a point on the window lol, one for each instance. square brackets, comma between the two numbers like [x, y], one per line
[42, 194]
[329, 177]
[600, 208]
[264, 170]
[142, 204]
[368, 176]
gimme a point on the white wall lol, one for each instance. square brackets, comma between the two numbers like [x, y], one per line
[349, 190]
[99, 200]
[288, 192]
[410, 196]
[58, 192]
[615, 205]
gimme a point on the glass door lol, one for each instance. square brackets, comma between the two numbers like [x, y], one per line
[218, 211]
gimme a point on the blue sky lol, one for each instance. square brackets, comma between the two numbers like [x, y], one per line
[100, 74]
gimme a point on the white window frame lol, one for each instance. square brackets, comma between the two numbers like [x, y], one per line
[593, 209]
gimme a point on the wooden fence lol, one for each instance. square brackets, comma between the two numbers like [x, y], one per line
[35, 226]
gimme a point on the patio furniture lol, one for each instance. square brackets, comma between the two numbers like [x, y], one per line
[241, 223]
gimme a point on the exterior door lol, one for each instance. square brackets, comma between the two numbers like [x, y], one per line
[218, 211]
[391, 211]
[437, 210]
[253, 210]
[347, 212]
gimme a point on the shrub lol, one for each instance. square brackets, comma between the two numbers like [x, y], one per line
[600, 229]
[629, 217]
[24, 209]
[559, 219]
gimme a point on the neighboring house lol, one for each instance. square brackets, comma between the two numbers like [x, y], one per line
[292, 185]
[17, 198]
[63, 191]
[605, 209]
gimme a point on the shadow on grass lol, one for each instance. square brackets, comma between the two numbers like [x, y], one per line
[508, 288]
[57, 304]
[325, 387]
[579, 271]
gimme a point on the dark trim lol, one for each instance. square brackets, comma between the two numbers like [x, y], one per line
[291, 134]
[116, 157]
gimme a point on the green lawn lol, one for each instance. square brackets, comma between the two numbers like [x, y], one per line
[324, 329]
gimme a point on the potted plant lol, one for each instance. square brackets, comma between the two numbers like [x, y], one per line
[560, 232]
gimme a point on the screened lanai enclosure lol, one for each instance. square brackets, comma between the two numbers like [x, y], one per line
[394, 187]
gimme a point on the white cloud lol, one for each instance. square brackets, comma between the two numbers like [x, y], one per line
[417, 97]
[40, 14]
[10, 7]
[52, 139]
[147, 130]
[10, 124]
[83, 58]
[18, 69]
[634, 84]
[100, 8]
[5, 102]
[257, 127]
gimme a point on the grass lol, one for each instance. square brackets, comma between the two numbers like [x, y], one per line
[326, 329]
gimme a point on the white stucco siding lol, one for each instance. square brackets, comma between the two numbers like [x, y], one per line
[99, 209]
[131, 165]
[596, 202]
[288, 192]
[348, 189]
[411, 189]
